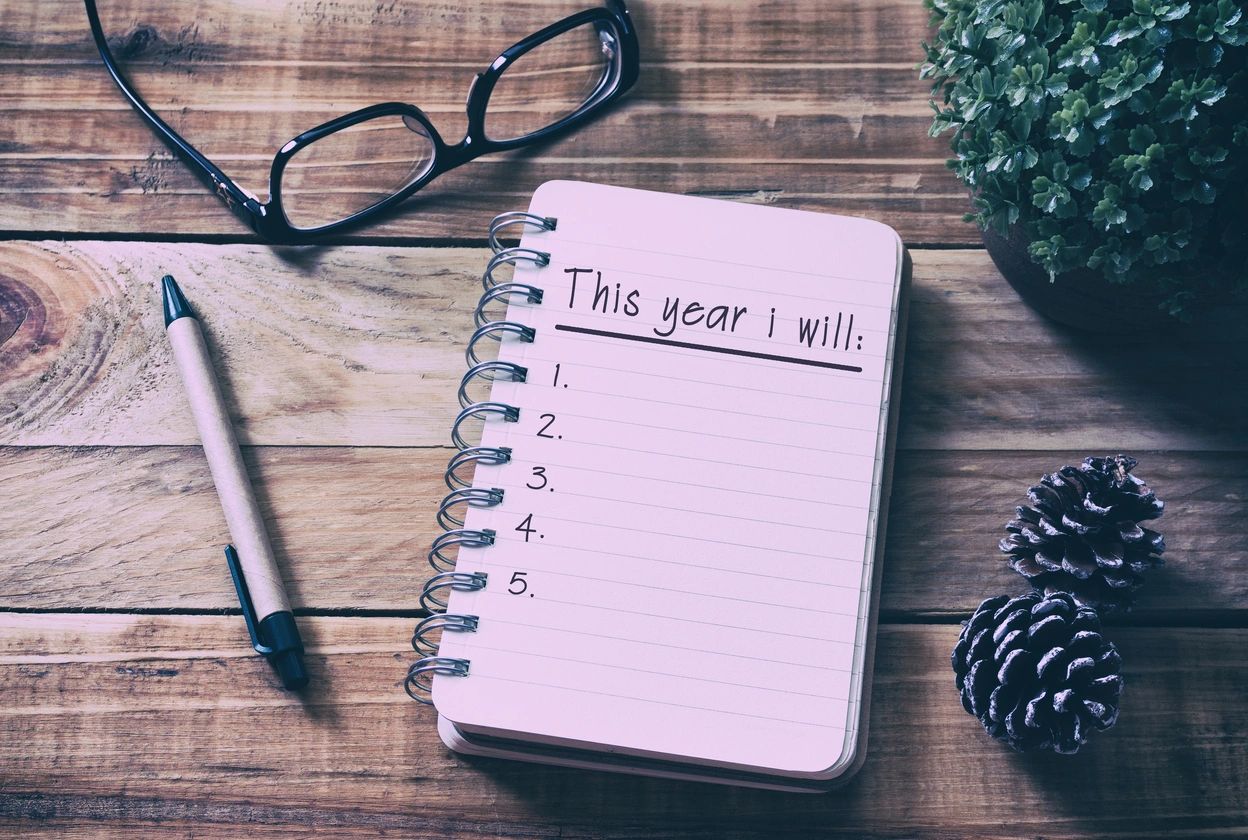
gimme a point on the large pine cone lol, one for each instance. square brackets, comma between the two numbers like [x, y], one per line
[1036, 672]
[1081, 534]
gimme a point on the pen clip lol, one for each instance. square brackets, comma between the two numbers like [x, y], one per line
[244, 600]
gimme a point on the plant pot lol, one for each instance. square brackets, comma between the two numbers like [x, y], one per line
[1082, 298]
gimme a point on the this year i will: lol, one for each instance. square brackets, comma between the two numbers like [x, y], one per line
[834, 330]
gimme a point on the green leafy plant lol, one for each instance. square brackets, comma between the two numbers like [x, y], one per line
[1114, 132]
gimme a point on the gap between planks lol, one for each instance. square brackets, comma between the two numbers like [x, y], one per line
[1154, 619]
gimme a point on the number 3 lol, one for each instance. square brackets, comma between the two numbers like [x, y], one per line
[538, 472]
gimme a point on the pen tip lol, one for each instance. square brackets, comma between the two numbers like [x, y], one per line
[291, 669]
[175, 304]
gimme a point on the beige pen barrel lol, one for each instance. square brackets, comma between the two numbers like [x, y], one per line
[225, 461]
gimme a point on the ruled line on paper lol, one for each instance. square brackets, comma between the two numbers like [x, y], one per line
[769, 468]
[699, 485]
[657, 673]
[695, 458]
[530, 566]
[708, 348]
[715, 434]
[680, 618]
[766, 574]
[819, 398]
[700, 511]
[693, 537]
[716, 408]
[583, 690]
[735, 654]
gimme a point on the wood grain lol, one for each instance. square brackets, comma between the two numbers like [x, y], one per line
[340, 366]
[363, 346]
[817, 106]
[141, 527]
[143, 722]
[337, 351]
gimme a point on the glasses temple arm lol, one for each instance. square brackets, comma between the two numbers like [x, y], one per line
[247, 207]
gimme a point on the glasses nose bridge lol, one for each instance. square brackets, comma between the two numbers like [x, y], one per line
[469, 145]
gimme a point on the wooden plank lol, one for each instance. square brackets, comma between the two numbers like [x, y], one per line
[363, 346]
[949, 509]
[142, 528]
[349, 32]
[145, 723]
[818, 108]
[351, 526]
[149, 193]
[337, 352]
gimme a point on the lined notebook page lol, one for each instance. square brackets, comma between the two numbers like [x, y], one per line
[681, 567]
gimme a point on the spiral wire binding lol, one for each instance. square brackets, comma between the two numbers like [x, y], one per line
[445, 622]
[517, 217]
[419, 682]
[465, 537]
[503, 291]
[468, 497]
[481, 411]
[496, 330]
[434, 596]
[489, 371]
[459, 581]
[488, 455]
[511, 256]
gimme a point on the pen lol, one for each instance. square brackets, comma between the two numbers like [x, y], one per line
[266, 610]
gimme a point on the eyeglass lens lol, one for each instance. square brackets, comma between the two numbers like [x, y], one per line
[353, 169]
[550, 82]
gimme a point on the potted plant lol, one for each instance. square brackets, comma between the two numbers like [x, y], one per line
[1105, 145]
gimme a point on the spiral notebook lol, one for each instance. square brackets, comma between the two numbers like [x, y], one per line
[661, 546]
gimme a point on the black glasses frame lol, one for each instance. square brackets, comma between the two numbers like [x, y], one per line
[269, 220]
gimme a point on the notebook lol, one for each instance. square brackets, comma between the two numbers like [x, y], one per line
[662, 538]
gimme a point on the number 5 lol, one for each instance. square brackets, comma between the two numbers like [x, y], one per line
[518, 577]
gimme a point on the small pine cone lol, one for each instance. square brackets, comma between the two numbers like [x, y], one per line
[1081, 534]
[1036, 672]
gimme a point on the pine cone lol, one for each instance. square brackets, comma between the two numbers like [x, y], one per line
[1036, 673]
[1082, 536]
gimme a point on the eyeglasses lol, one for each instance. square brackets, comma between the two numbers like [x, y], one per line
[362, 164]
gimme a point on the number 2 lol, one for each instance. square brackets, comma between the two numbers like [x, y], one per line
[550, 419]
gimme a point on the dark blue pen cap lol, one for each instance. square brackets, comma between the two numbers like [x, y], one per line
[175, 304]
[278, 629]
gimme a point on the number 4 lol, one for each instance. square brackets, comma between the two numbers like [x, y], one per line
[526, 527]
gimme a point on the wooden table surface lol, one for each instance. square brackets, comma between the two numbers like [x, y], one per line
[130, 703]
